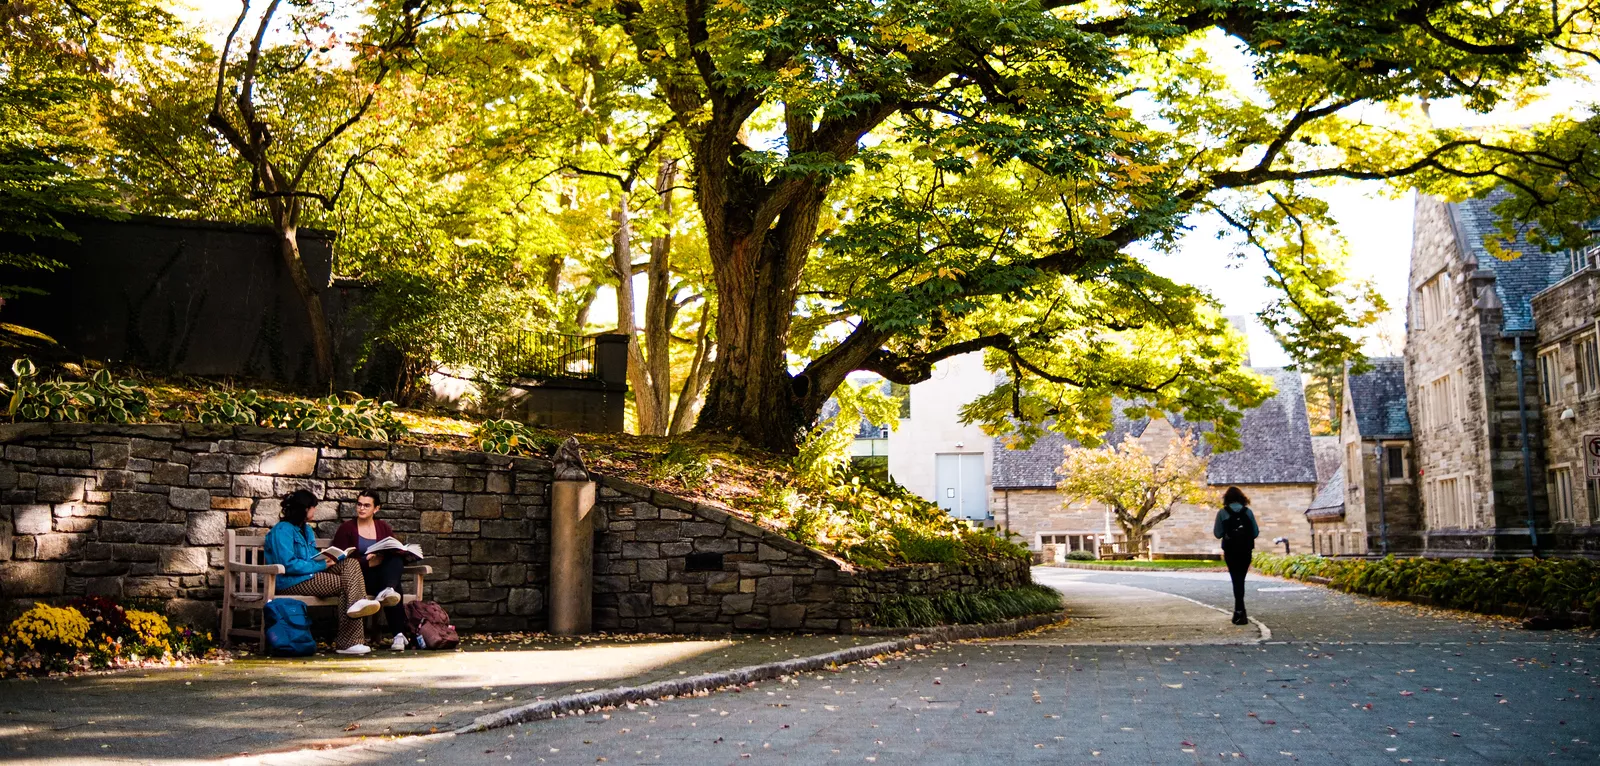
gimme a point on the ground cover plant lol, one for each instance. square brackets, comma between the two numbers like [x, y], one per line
[965, 608]
[96, 633]
[1536, 586]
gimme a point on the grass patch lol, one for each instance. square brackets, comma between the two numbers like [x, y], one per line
[952, 608]
[1163, 563]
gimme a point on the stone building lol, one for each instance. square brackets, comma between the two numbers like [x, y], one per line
[1374, 506]
[1275, 466]
[1470, 341]
[1568, 363]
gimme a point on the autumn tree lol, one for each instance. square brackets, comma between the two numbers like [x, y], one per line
[1115, 120]
[1138, 488]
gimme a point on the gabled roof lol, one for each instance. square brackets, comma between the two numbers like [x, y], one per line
[1379, 398]
[1518, 280]
[1275, 437]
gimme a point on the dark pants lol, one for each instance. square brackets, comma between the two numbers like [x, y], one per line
[387, 574]
[1238, 560]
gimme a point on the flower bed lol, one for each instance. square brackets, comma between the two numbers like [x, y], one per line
[96, 633]
[1557, 587]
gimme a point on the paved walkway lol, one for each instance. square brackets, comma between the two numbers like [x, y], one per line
[1107, 613]
[259, 705]
[1354, 682]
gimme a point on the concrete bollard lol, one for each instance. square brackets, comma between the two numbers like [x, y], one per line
[571, 558]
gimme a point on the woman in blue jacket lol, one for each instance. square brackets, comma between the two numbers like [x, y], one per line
[1236, 528]
[306, 572]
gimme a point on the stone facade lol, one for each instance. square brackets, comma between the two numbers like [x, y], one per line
[143, 511]
[1032, 513]
[1474, 448]
[1374, 413]
[1565, 315]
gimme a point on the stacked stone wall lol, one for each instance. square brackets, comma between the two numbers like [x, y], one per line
[143, 512]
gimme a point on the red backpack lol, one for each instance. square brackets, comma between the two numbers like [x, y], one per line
[431, 625]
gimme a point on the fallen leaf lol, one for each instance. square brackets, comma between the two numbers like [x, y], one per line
[352, 727]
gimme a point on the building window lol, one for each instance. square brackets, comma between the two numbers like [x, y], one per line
[1441, 401]
[1397, 463]
[1550, 375]
[1587, 353]
[1431, 301]
[1561, 493]
[1073, 542]
[1352, 465]
[1448, 502]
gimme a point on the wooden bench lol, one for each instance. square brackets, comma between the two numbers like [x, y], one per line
[1116, 551]
[249, 583]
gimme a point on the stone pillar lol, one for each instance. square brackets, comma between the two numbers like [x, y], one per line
[571, 558]
[571, 544]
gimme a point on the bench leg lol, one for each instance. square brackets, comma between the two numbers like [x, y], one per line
[227, 621]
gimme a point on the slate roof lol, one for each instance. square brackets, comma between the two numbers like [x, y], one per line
[1276, 449]
[1518, 280]
[1379, 398]
[1330, 497]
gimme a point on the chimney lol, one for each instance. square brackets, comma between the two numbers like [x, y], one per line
[1241, 323]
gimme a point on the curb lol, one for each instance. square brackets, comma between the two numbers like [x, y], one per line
[622, 695]
[1118, 568]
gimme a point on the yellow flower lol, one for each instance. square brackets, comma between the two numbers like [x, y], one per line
[150, 628]
[48, 624]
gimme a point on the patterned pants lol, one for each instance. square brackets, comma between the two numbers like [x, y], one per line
[343, 580]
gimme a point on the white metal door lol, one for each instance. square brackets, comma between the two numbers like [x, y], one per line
[962, 491]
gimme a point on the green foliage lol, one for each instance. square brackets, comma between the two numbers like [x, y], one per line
[952, 607]
[101, 399]
[363, 418]
[1550, 586]
[1081, 556]
[681, 464]
[825, 451]
[510, 437]
[918, 548]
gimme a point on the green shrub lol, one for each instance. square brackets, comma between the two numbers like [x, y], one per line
[363, 418]
[1081, 556]
[955, 608]
[1550, 586]
[509, 437]
[100, 400]
[94, 632]
[918, 548]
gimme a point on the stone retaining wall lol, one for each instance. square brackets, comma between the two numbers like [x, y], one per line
[143, 511]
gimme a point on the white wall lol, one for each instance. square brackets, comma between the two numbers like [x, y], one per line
[935, 424]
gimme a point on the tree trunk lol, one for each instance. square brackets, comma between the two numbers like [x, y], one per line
[751, 394]
[658, 312]
[622, 266]
[694, 384]
[285, 218]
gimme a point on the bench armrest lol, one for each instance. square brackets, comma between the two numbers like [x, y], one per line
[418, 569]
[272, 569]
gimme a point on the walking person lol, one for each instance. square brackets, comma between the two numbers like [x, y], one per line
[307, 572]
[381, 572]
[1236, 528]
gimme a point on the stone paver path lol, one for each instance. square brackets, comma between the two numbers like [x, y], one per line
[1105, 613]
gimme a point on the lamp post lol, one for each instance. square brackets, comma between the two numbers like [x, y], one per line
[1383, 517]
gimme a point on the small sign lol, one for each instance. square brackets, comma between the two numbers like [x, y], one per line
[1591, 455]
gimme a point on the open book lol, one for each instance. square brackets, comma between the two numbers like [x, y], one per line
[412, 552]
[334, 554]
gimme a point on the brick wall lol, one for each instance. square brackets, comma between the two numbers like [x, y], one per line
[143, 511]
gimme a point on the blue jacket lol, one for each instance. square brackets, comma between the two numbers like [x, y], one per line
[1255, 531]
[296, 549]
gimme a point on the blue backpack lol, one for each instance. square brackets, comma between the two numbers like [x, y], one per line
[288, 627]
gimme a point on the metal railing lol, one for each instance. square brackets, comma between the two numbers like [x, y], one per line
[524, 353]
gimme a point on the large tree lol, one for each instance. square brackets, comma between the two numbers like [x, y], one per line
[1023, 147]
[1139, 489]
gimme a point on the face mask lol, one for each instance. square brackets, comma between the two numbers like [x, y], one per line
[1236, 506]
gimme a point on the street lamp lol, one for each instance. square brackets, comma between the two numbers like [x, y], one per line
[1285, 542]
[1383, 517]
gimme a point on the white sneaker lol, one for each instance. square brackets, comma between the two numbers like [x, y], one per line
[399, 644]
[357, 649]
[388, 597]
[363, 608]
